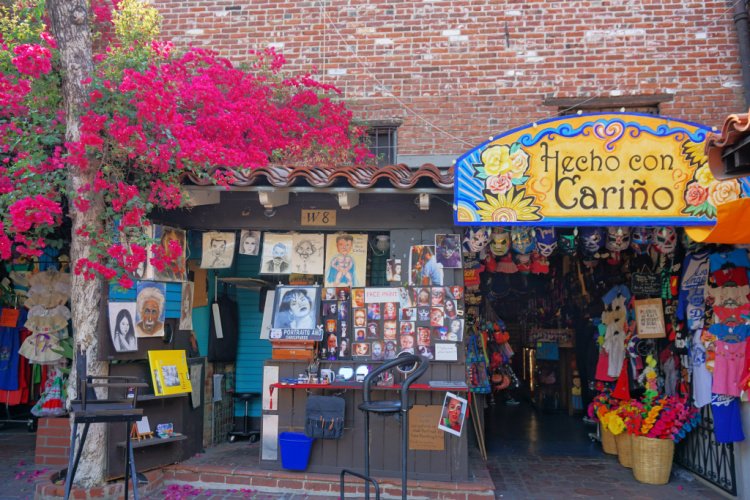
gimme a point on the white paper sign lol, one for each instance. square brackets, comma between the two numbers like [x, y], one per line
[143, 426]
[265, 325]
[380, 295]
[446, 352]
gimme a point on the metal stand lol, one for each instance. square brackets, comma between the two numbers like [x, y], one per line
[399, 407]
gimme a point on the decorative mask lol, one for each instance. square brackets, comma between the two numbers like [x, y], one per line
[568, 242]
[665, 239]
[640, 239]
[523, 239]
[546, 241]
[523, 262]
[592, 239]
[475, 239]
[500, 244]
[618, 238]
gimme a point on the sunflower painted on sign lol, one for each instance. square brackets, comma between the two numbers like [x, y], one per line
[509, 207]
[503, 170]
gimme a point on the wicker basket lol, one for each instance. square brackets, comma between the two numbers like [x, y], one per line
[608, 441]
[652, 459]
[624, 449]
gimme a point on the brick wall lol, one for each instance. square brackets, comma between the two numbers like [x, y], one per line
[52, 442]
[459, 71]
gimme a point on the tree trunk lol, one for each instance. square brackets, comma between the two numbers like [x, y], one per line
[70, 26]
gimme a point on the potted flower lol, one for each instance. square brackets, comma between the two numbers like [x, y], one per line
[602, 408]
[665, 421]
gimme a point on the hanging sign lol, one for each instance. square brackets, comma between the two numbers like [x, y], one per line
[649, 318]
[597, 169]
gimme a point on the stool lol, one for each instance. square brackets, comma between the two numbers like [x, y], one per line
[245, 432]
[399, 407]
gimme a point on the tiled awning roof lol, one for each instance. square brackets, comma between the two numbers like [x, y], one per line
[391, 176]
[736, 127]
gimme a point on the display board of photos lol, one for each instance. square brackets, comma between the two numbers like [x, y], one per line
[376, 324]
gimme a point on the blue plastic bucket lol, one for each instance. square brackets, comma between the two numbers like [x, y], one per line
[295, 450]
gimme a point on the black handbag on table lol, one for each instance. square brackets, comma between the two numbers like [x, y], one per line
[324, 417]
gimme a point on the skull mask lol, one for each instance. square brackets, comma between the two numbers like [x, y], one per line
[592, 239]
[665, 239]
[500, 244]
[475, 239]
[546, 241]
[640, 239]
[523, 239]
[618, 238]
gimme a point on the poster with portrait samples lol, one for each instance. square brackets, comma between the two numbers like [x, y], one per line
[249, 242]
[151, 297]
[186, 306]
[448, 250]
[337, 323]
[386, 321]
[170, 241]
[277, 253]
[122, 326]
[345, 260]
[307, 253]
[295, 313]
[218, 250]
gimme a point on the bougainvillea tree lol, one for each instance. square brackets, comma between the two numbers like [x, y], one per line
[102, 136]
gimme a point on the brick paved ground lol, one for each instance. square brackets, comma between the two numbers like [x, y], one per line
[18, 473]
[542, 460]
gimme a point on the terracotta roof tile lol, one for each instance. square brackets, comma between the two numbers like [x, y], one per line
[734, 129]
[396, 176]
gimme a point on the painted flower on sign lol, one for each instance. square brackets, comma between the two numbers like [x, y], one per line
[499, 184]
[723, 191]
[503, 170]
[703, 193]
[509, 207]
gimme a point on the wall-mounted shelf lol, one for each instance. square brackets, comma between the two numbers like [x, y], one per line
[143, 443]
[151, 397]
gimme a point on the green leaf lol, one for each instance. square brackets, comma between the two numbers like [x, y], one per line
[520, 181]
[480, 173]
[514, 147]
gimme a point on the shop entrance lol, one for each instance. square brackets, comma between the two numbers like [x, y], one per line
[548, 297]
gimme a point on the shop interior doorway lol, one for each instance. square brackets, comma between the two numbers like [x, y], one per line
[541, 314]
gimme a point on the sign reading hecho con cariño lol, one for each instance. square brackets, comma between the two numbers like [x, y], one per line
[619, 168]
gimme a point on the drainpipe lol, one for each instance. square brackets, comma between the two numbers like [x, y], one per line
[743, 35]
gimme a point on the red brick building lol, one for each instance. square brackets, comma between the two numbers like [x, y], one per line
[451, 73]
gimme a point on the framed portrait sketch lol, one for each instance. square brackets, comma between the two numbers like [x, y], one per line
[277, 252]
[122, 326]
[169, 239]
[346, 259]
[150, 306]
[218, 250]
[186, 306]
[307, 254]
[249, 242]
[295, 313]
